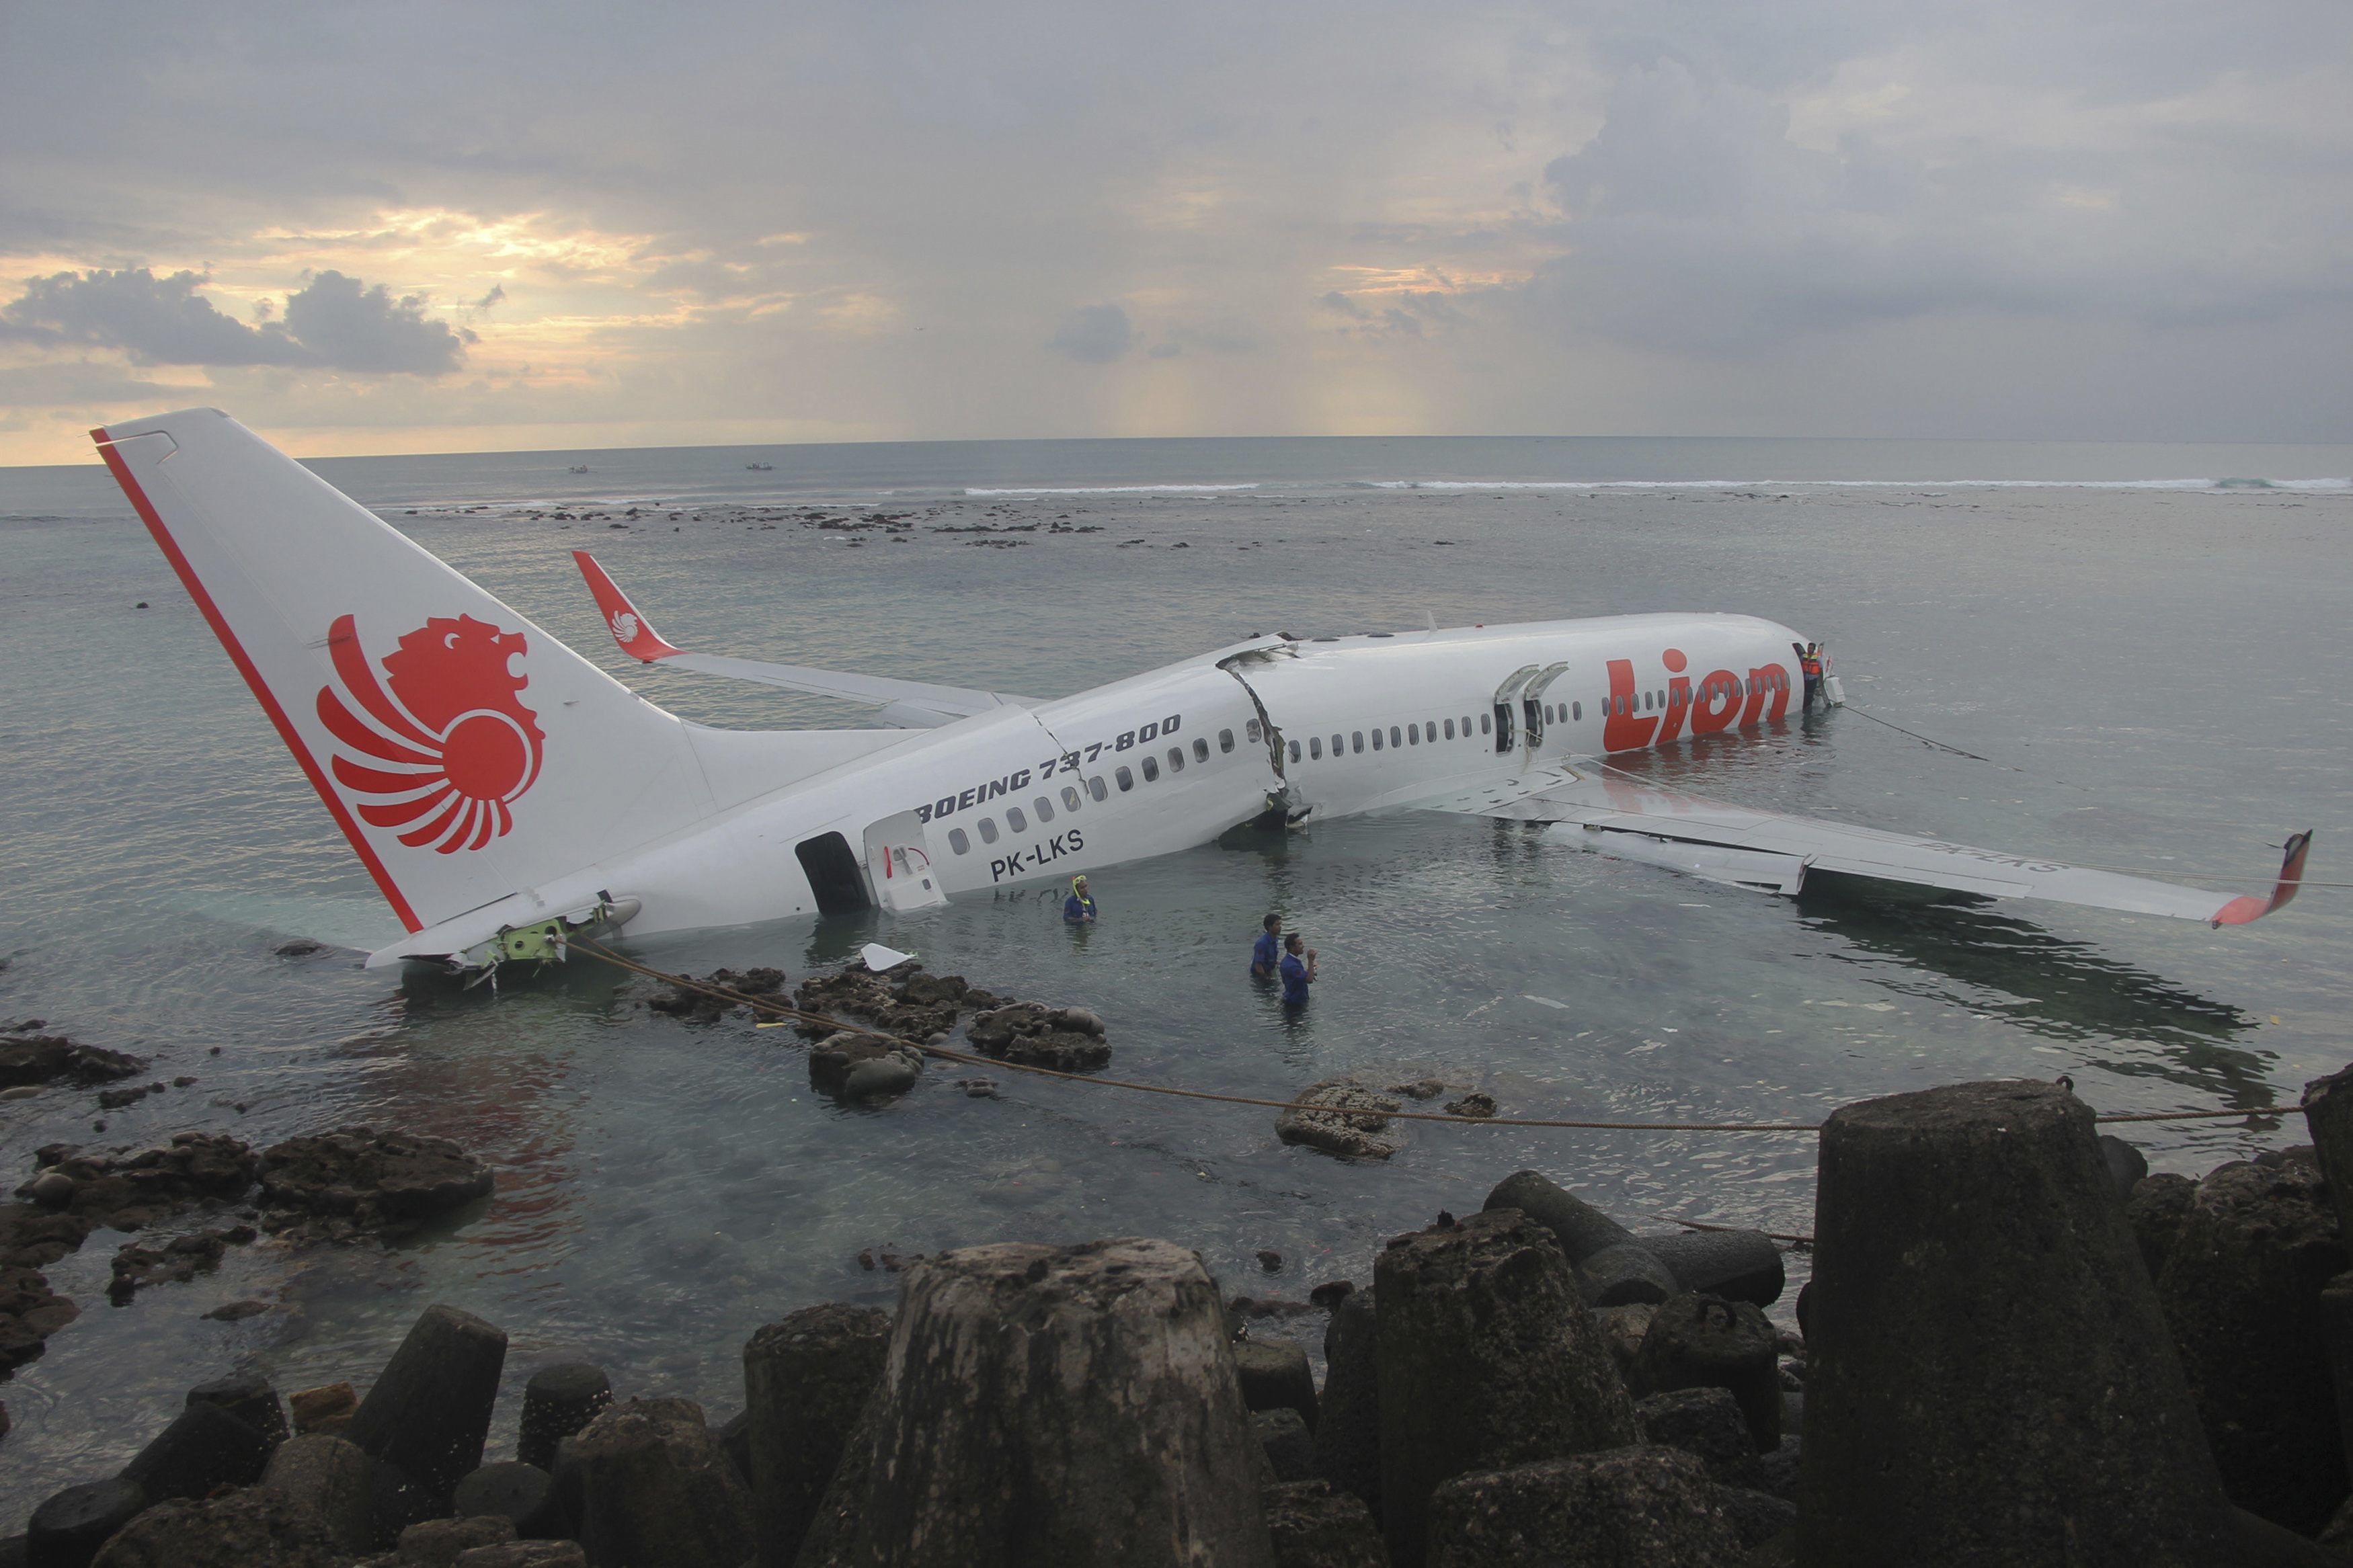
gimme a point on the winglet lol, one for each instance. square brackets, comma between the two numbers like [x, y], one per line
[2240, 910]
[628, 625]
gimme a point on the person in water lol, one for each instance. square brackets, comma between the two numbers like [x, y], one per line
[1298, 971]
[1810, 665]
[1079, 909]
[1266, 953]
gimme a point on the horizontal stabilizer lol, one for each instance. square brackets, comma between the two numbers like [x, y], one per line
[1731, 844]
[902, 704]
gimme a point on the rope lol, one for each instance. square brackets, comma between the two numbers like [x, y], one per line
[789, 1014]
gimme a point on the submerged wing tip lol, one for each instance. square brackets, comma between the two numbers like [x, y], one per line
[2247, 908]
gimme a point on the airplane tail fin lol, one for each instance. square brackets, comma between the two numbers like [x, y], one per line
[466, 754]
[2241, 911]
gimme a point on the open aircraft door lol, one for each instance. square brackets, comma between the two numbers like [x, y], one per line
[898, 863]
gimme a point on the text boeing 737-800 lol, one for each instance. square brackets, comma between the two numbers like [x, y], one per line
[502, 790]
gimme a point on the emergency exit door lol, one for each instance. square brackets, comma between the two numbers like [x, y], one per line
[899, 864]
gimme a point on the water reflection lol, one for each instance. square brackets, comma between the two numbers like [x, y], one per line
[2060, 989]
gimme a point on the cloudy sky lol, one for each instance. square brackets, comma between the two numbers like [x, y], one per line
[420, 227]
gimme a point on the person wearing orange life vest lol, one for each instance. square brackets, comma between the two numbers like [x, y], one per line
[1810, 665]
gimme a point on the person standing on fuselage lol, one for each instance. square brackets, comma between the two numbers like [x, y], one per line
[1266, 953]
[1079, 909]
[1298, 971]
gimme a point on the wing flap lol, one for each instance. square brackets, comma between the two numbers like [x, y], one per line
[1736, 844]
[902, 704]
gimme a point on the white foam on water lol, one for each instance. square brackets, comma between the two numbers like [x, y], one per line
[2341, 486]
[1107, 490]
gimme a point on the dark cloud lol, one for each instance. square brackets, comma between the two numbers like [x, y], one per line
[335, 322]
[155, 320]
[352, 327]
[1096, 334]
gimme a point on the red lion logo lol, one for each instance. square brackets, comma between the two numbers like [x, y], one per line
[450, 748]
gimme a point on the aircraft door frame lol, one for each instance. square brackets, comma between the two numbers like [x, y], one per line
[1532, 701]
[1503, 694]
[899, 865]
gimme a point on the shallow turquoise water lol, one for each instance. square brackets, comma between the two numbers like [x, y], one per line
[2159, 673]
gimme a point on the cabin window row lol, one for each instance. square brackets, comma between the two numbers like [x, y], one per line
[1429, 730]
[961, 842]
[1714, 691]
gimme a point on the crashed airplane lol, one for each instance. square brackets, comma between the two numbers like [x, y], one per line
[506, 794]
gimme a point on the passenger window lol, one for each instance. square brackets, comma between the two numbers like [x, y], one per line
[1294, 751]
[988, 825]
[1095, 787]
[1449, 728]
[1250, 730]
[1070, 797]
[1356, 740]
[1126, 780]
[1175, 759]
[1466, 726]
[1335, 745]
[1413, 734]
[1316, 747]
[1486, 722]
[1015, 820]
[1394, 742]
[958, 842]
[1045, 808]
[1225, 740]
[1576, 709]
[1377, 740]
[1201, 751]
[1151, 766]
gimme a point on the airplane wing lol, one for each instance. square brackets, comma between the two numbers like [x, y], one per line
[1601, 809]
[902, 704]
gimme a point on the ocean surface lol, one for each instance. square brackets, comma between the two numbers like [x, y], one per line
[2143, 647]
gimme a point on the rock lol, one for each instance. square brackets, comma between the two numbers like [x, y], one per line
[254, 1528]
[1312, 1525]
[181, 1260]
[2328, 1112]
[327, 1409]
[1350, 1121]
[2127, 1166]
[1420, 1088]
[372, 1177]
[1113, 1431]
[1756, 1517]
[52, 1058]
[248, 1397]
[1621, 1328]
[1706, 1422]
[1348, 1415]
[204, 1448]
[237, 1311]
[1989, 1379]
[806, 1379]
[557, 1401]
[1777, 1471]
[1276, 1376]
[1487, 1359]
[52, 1189]
[1474, 1104]
[1327, 1296]
[894, 1073]
[1624, 1274]
[734, 1435]
[429, 1409]
[1738, 1265]
[1036, 1036]
[1706, 1341]
[517, 1492]
[526, 1554]
[1621, 1508]
[334, 1479]
[2155, 1211]
[437, 1542]
[658, 1490]
[1272, 1261]
[2242, 1291]
[1581, 1229]
[1289, 1445]
[66, 1529]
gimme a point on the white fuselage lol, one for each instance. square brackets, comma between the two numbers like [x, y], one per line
[1171, 759]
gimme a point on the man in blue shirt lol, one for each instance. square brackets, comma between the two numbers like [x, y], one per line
[1298, 970]
[1079, 909]
[1266, 953]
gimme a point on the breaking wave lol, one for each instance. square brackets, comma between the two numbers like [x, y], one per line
[2323, 487]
